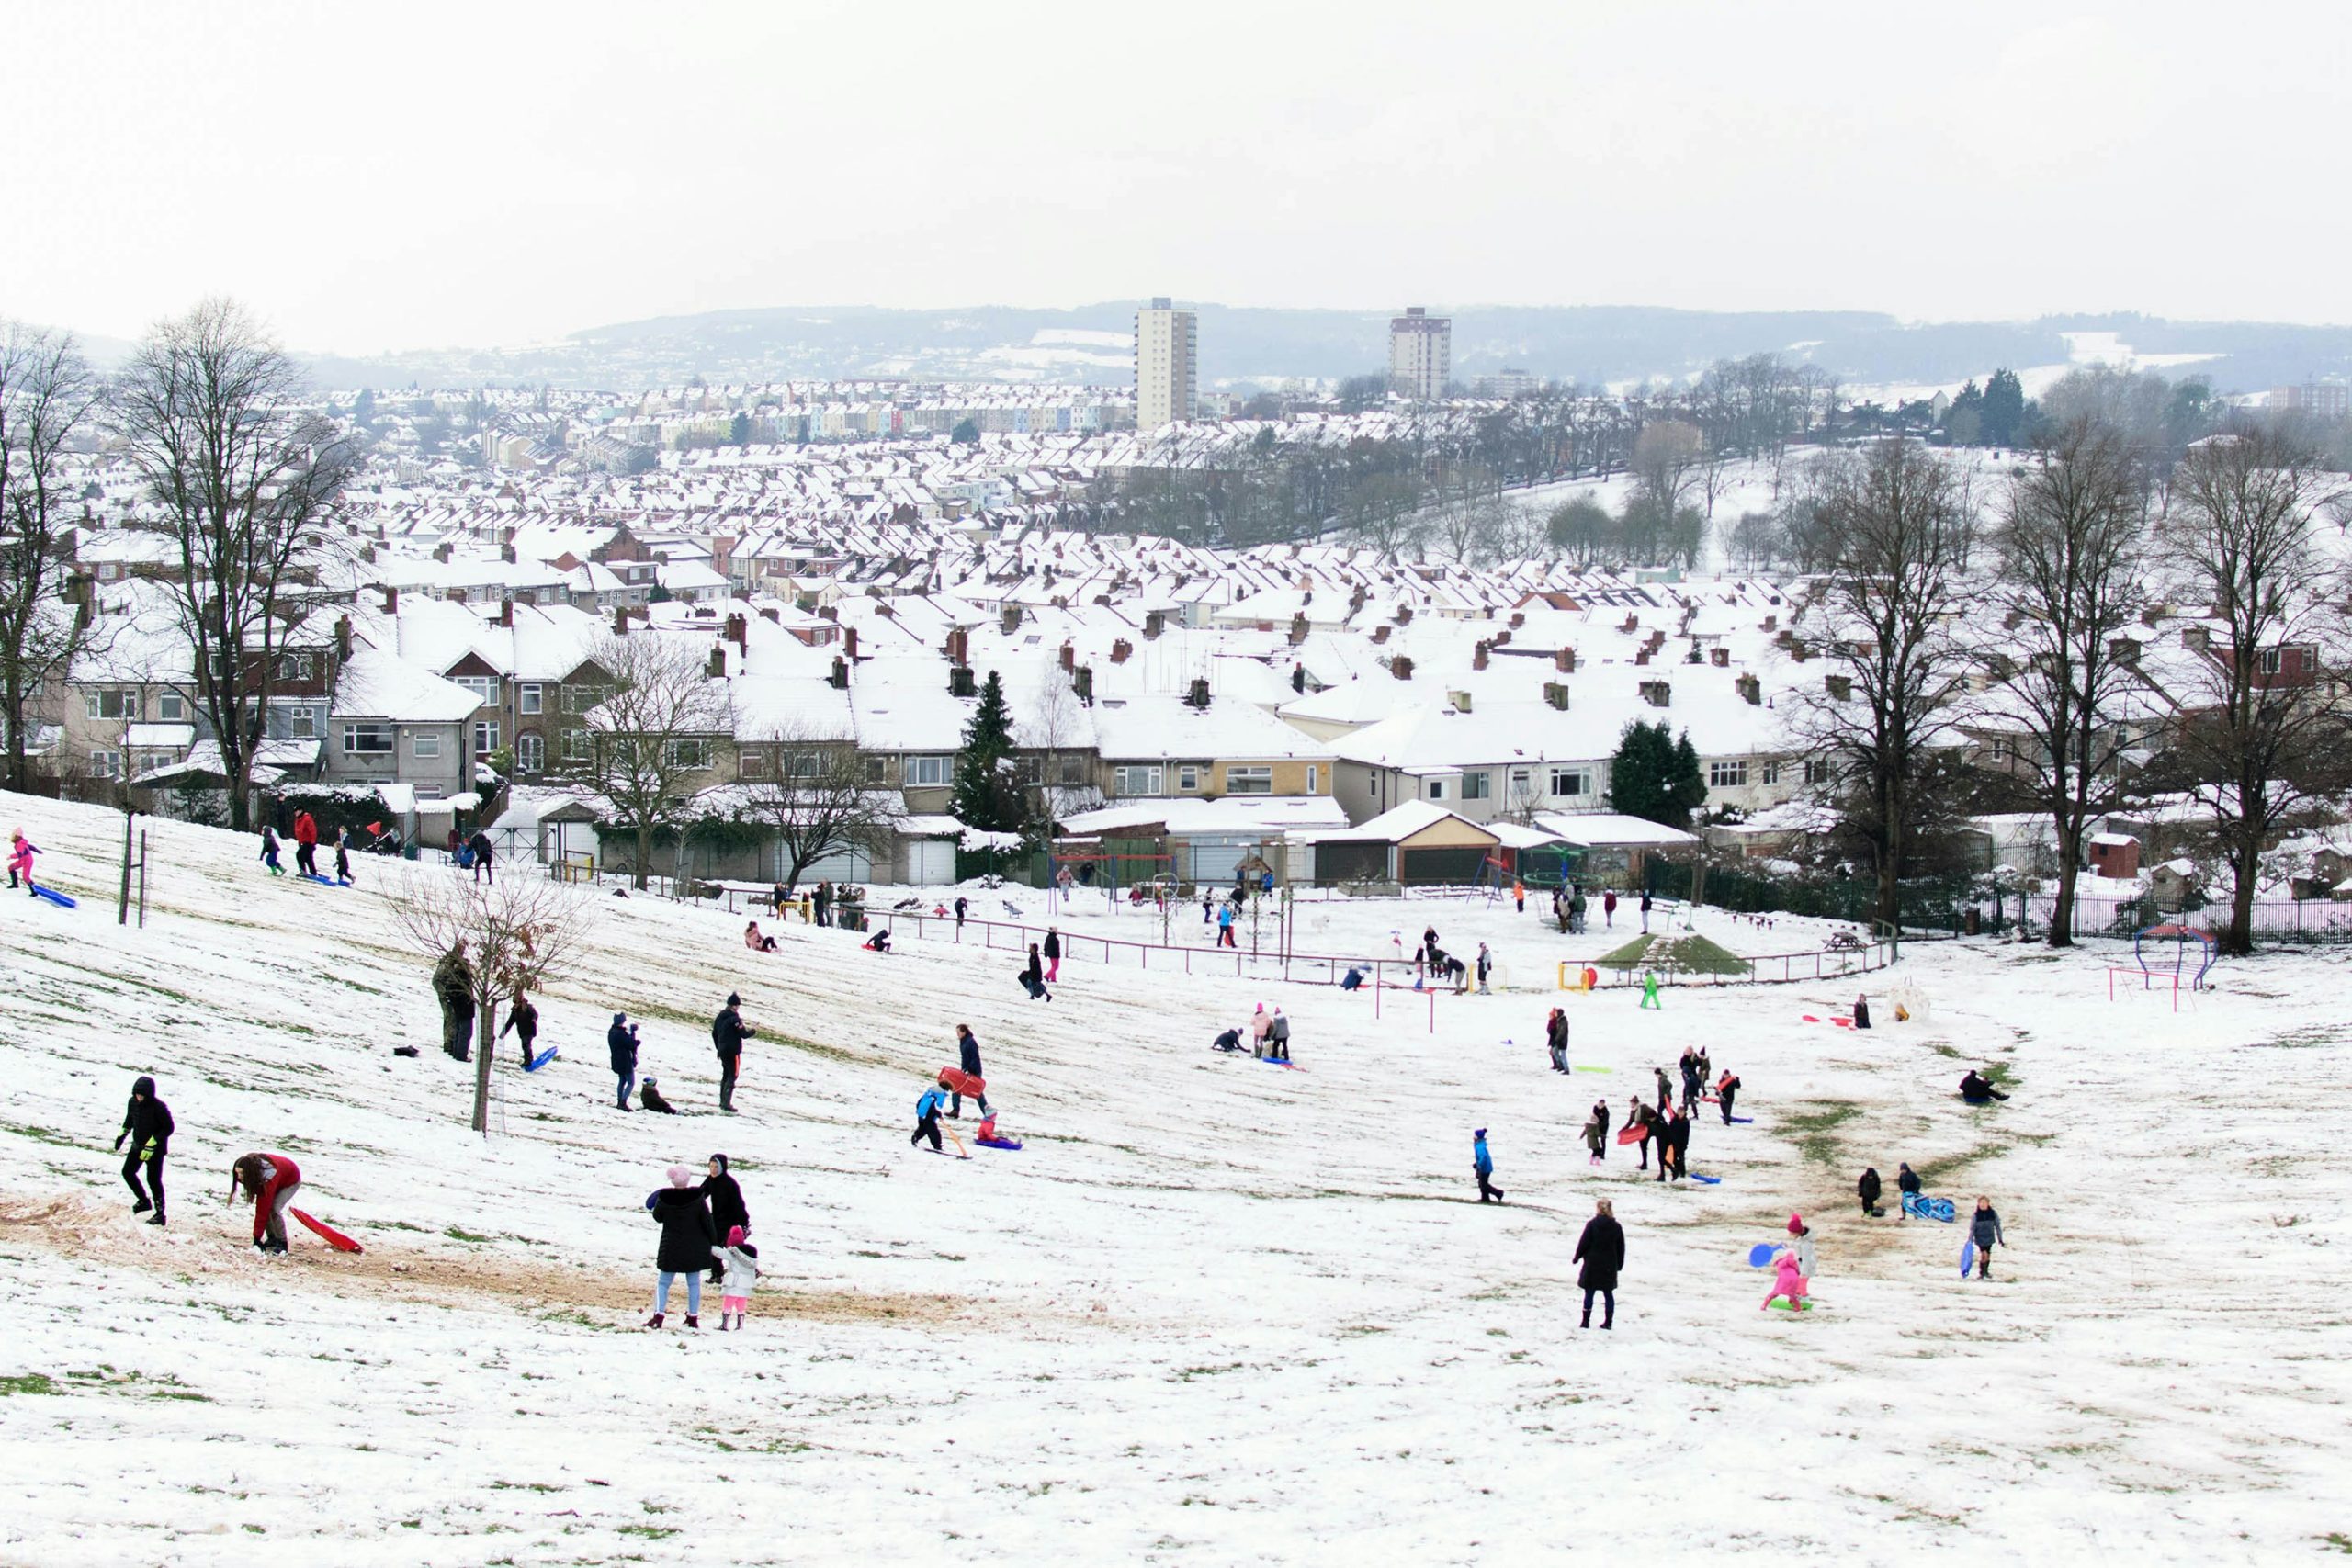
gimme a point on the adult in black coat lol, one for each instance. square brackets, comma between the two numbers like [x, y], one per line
[523, 1020]
[1906, 1182]
[1861, 1012]
[726, 1208]
[147, 1122]
[968, 1056]
[621, 1040]
[1977, 1089]
[1868, 1186]
[727, 1033]
[1677, 1140]
[686, 1243]
[1601, 1251]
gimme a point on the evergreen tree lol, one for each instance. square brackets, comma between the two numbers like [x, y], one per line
[965, 433]
[1654, 777]
[738, 429]
[2002, 414]
[988, 793]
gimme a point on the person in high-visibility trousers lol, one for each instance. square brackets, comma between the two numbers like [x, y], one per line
[1649, 992]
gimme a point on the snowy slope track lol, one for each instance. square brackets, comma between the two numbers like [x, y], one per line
[1211, 1311]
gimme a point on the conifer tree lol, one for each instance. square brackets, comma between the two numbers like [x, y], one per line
[1655, 778]
[988, 793]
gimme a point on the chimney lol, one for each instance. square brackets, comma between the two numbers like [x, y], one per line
[717, 668]
[391, 601]
[1657, 693]
[1404, 615]
[1518, 619]
[1120, 651]
[770, 612]
[1199, 694]
[849, 641]
[1502, 636]
[1556, 693]
[441, 552]
[1797, 652]
[1081, 681]
[1771, 621]
[1069, 659]
[1840, 687]
[341, 640]
[1641, 656]
[367, 554]
[1380, 632]
[1154, 623]
[506, 613]
[1478, 658]
[1010, 619]
[960, 682]
[1720, 658]
[506, 553]
[1750, 689]
[1461, 701]
[1297, 630]
[1401, 667]
[829, 612]
[839, 679]
[959, 642]
[1564, 662]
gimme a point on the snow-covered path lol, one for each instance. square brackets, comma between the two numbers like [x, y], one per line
[1213, 1311]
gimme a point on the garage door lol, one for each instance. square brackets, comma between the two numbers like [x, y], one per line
[1351, 860]
[1216, 860]
[854, 865]
[1447, 866]
[930, 862]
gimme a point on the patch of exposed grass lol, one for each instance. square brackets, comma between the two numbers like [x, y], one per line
[1814, 1128]
[29, 1382]
[43, 1134]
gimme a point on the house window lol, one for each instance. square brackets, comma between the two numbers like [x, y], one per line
[1476, 786]
[1250, 781]
[1772, 772]
[530, 753]
[930, 773]
[1139, 778]
[484, 687]
[1727, 776]
[302, 722]
[1817, 770]
[486, 738]
[693, 752]
[2269, 661]
[530, 697]
[752, 763]
[877, 769]
[1312, 780]
[1574, 782]
[149, 760]
[804, 763]
[423, 746]
[1188, 779]
[170, 706]
[293, 666]
[367, 740]
[575, 746]
[1072, 769]
[581, 699]
[112, 704]
[1437, 789]
[105, 764]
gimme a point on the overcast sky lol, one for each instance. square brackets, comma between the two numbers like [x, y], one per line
[370, 176]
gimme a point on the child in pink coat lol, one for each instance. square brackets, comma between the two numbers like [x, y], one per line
[1786, 1282]
[21, 850]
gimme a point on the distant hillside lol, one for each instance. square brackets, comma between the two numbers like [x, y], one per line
[1240, 346]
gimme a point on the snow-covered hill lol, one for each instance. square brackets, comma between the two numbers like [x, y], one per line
[1213, 1311]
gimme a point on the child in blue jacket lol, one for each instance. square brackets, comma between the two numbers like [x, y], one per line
[927, 1110]
[1484, 1164]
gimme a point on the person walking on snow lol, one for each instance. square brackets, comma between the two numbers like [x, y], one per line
[523, 1020]
[1602, 1252]
[453, 983]
[968, 1056]
[728, 1210]
[343, 857]
[727, 1033]
[1555, 1039]
[1677, 1140]
[270, 850]
[1486, 966]
[1985, 1230]
[1869, 1188]
[1053, 955]
[1726, 1088]
[742, 1274]
[1278, 1038]
[1649, 992]
[1518, 894]
[1692, 1077]
[147, 1122]
[1906, 1188]
[685, 1248]
[1637, 1115]
[927, 1111]
[1483, 1164]
[1225, 926]
[1645, 909]
[270, 1182]
[1800, 1242]
[306, 844]
[21, 850]
[1596, 1132]
[1033, 978]
[962, 905]
[621, 1040]
[1608, 911]
[480, 844]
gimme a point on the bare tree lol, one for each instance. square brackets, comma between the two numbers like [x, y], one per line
[46, 393]
[820, 803]
[655, 735]
[2263, 734]
[1898, 536]
[246, 477]
[2071, 543]
[516, 935]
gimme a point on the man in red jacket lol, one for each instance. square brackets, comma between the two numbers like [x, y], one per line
[306, 844]
[271, 1182]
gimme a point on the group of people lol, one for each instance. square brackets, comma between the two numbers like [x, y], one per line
[693, 1218]
[304, 830]
[1269, 1036]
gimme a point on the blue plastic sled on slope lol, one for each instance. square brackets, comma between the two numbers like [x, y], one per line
[1740, 1120]
[996, 1143]
[1710, 1181]
[1760, 1253]
[541, 1060]
[1926, 1208]
[314, 876]
[54, 897]
[1967, 1256]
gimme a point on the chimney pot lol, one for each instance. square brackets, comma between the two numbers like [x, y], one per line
[1401, 667]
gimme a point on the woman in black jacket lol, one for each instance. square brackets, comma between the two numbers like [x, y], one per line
[147, 1122]
[686, 1243]
[726, 1209]
[1985, 1230]
[1869, 1189]
[1034, 977]
[1601, 1251]
[1906, 1183]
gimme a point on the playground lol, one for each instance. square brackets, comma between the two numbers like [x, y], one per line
[1185, 1318]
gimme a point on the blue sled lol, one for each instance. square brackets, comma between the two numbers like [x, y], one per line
[543, 1058]
[54, 897]
[1710, 1181]
[1760, 1253]
[996, 1143]
[309, 877]
[1740, 1120]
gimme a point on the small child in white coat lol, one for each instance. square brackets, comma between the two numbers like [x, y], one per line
[742, 1272]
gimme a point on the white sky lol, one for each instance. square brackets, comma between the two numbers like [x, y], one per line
[426, 174]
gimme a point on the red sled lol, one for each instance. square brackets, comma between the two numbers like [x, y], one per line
[958, 1081]
[327, 1234]
[1629, 1134]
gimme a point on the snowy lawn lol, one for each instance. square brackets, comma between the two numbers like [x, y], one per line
[1214, 1310]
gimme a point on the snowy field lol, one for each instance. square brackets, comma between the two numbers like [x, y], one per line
[1215, 1312]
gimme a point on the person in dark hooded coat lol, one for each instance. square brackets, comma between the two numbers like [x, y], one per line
[688, 1242]
[1869, 1189]
[147, 1122]
[1601, 1251]
[726, 1208]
